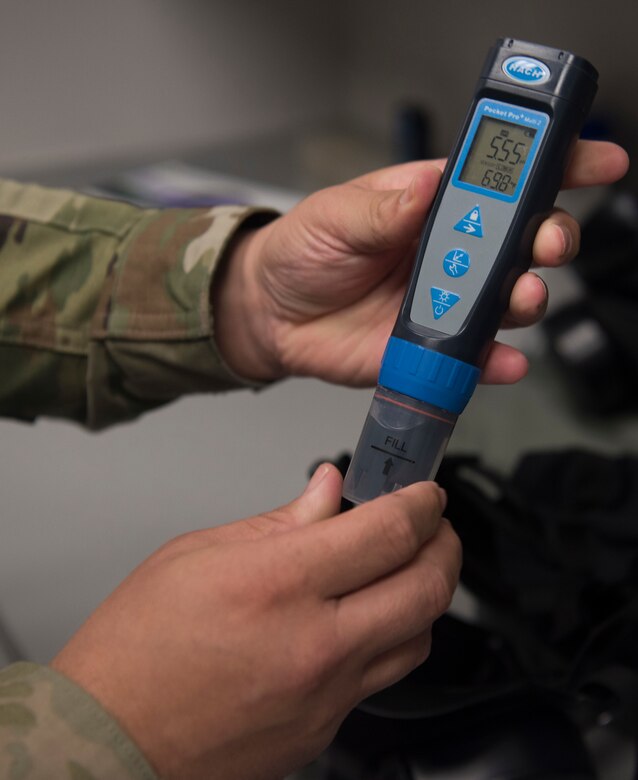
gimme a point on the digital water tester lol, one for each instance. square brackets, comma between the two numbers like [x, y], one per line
[500, 181]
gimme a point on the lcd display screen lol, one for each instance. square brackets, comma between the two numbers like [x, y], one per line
[497, 155]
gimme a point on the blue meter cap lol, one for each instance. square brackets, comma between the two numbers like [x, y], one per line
[428, 376]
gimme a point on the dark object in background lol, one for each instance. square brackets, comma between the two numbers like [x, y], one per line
[591, 361]
[551, 554]
[608, 257]
[412, 134]
[525, 738]
[594, 338]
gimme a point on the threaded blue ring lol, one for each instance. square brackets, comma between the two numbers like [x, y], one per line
[428, 376]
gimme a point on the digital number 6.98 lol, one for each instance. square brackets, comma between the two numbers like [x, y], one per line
[495, 180]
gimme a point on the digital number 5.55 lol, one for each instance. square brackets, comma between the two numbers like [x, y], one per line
[505, 150]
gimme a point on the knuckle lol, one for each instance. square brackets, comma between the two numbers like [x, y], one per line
[273, 587]
[266, 581]
[324, 719]
[440, 592]
[456, 550]
[177, 546]
[422, 649]
[443, 575]
[377, 218]
[274, 520]
[312, 666]
[410, 518]
[399, 530]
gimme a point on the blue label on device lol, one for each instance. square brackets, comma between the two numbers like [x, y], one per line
[456, 263]
[526, 70]
[471, 224]
[442, 301]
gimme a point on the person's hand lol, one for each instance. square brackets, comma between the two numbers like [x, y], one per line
[236, 652]
[316, 292]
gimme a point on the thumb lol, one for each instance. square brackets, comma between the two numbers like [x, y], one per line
[320, 500]
[377, 220]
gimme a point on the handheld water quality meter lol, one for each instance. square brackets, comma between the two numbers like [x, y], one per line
[500, 181]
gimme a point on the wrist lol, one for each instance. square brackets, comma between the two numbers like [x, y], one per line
[242, 322]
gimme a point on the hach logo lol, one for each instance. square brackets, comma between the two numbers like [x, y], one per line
[526, 70]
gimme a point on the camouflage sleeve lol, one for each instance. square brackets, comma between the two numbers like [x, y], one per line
[51, 728]
[104, 314]
[104, 307]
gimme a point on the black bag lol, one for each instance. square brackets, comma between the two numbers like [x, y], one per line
[551, 555]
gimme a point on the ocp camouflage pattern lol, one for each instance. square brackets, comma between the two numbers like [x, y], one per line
[105, 307]
[104, 314]
[51, 729]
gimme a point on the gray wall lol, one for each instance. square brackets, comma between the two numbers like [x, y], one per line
[430, 51]
[83, 79]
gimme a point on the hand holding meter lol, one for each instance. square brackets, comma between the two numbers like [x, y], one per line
[500, 181]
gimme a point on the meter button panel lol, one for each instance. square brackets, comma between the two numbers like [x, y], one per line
[460, 261]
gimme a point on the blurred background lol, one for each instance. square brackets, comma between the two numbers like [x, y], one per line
[86, 86]
[279, 98]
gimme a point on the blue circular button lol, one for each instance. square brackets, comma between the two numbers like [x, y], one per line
[456, 262]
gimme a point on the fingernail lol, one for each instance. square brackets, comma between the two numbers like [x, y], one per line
[542, 306]
[408, 193]
[567, 240]
[317, 478]
[443, 497]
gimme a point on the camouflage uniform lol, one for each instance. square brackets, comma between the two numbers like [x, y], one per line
[104, 314]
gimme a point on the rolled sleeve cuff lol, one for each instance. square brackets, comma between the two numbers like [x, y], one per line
[53, 728]
[152, 335]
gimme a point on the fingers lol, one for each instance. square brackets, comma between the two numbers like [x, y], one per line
[395, 664]
[351, 550]
[504, 365]
[596, 162]
[593, 162]
[557, 240]
[528, 301]
[320, 500]
[400, 606]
